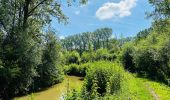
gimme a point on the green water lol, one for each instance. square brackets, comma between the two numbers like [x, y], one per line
[55, 92]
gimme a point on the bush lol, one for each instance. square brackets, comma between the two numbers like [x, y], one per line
[127, 58]
[74, 69]
[145, 62]
[148, 57]
[111, 57]
[72, 95]
[101, 74]
[100, 54]
[72, 57]
[103, 54]
[87, 57]
[152, 63]
[71, 69]
[165, 53]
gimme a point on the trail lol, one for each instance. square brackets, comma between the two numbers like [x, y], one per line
[156, 97]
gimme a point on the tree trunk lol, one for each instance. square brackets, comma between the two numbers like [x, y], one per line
[26, 13]
[107, 43]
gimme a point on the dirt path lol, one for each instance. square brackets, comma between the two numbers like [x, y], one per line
[156, 97]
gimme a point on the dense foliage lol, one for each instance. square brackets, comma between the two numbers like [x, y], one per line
[148, 54]
[29, 57]
[77, 70]
[84, 41]
[72, 57]
[50, 71]
[148, 57]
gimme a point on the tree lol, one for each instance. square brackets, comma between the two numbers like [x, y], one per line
[160, 14]
[50, 70]
[85, 39]
[144, 33]
[127, 57]
[106, 34]
[161, 9]
[28, 12]
[20, 57]
[21, 23]
[81, 42]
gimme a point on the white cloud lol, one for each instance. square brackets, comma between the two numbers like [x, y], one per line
[111, 10]
[77, 12]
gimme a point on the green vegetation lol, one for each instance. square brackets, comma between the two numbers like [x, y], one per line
[50, 70]
[72, 57]
[160, 89]
[147, 55]
[77, 70]
[107, 80]
[32, 59]
[29, 56]
[88, 40]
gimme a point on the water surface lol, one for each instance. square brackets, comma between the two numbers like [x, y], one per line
[55, 92]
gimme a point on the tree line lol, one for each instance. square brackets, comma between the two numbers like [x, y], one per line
[82, 42]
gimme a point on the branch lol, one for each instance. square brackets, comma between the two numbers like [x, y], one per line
[36, 6]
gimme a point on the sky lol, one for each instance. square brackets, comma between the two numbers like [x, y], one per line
[125, 17]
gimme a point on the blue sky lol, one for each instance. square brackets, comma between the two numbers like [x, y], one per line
[125, 17]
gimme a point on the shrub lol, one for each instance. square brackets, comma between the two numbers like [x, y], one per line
[144, 61]
[148, 57]
[101, 73]
[72, 95]
[101, 54]
[72, 57]
[152, 63]
[71, 69]
[74, 69]
[127, 58]
[111, 57]
[87, 57]
[164, 60]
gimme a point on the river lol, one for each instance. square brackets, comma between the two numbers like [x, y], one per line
[55, 92]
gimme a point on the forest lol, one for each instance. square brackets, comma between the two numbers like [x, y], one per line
[33, 58]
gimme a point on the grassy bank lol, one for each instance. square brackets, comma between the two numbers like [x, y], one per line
[108, 80]
[161, 90]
